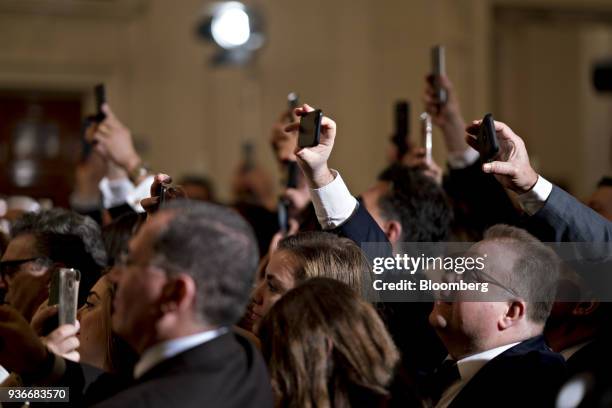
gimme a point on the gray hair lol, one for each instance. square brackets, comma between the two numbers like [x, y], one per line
[535, 273]
[217, 248]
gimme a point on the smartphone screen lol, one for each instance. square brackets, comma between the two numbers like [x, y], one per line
[100, 94]
[310, 129]
[438, 68]
[488, 146]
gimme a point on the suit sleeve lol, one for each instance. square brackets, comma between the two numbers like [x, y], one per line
[365, 232]
[564, 219]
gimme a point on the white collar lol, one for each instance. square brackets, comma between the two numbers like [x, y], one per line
[168, 349]
[470, 365]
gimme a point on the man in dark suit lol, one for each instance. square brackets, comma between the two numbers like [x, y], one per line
[497, 340]
[190, 269]
[185, 281]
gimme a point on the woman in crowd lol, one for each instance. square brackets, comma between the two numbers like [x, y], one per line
[98, 345]
[304, 256]
[327, 347]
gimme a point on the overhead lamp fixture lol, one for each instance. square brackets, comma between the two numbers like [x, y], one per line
[235, 29]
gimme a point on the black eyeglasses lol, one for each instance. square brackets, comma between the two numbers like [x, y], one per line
[9, 268]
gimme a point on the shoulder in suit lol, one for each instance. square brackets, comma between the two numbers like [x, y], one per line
[526, 375]
[225, 372]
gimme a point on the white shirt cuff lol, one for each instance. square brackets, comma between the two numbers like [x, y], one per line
[333, 203]
[114, 192]
[122, 191]
[535, 198]
[142, 190]
[461, 160]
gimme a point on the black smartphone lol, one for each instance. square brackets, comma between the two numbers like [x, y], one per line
[488, 146]
[292, 174]
[310, 129]
[100, 94]
[283, 216]
[162, 191]
[438, 68]
[402, 127]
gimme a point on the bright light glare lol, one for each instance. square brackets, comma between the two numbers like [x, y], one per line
[230, 25]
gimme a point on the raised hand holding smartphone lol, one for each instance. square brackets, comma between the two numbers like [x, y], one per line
[313, 160]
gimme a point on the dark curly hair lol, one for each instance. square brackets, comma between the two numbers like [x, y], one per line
[418, 203]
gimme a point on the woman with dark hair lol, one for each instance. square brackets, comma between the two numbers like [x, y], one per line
[327, 347]
[99, 346]
[301, 257]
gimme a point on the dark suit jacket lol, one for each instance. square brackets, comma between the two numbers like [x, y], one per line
[594, 356]
[225, 372]
[361, 228]
[565, 219]
[407, 322]
[526, 375]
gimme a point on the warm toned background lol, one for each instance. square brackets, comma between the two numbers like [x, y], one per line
[527, 61]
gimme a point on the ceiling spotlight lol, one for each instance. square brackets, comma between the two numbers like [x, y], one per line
[230, 25]
[235, 29]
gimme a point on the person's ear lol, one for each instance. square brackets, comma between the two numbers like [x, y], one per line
[513, 314]
[393, 231]
[179, 293]
[585, 308]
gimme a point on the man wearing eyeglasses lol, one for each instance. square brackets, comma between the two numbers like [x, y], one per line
[25, 275]
[497, 354]
[40, 241]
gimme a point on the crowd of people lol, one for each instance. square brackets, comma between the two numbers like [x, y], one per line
[187, 302]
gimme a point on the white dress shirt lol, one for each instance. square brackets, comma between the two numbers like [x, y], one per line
[468, 367]
[333, 203]
[461, 160]
[168, 349]
[122, 191]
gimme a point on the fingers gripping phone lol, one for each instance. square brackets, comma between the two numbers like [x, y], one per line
[64, 292]
[438, 68]
[100, 94]
[488, 145]
[310, 129]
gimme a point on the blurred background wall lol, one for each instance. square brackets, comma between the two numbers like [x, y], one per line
[526, 61]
